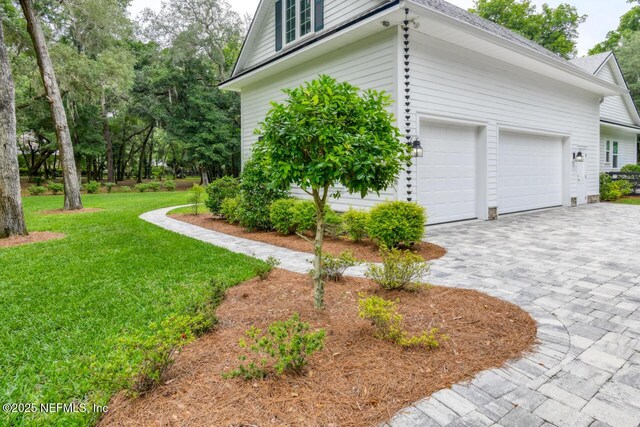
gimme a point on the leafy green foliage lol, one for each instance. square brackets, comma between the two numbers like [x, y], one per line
[55, 187]
[155, 186]
[384, 316]
[611, 190]
[281, 216]
[142, 187]
[92, 187]
[629, 24]
[229, 209]
[287, 344]
[36, 190]
[196, 198]
[220, 189]
[333, 268]
[399, 270]
[556, 29]
[396, 224]
[257, 195]
[109, 186]
[355, 224]
[170, 185]
[264, 270]
[125, 189]
[631, 168]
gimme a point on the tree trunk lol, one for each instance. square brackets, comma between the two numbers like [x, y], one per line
[204, 176]
[318, 284]
[72, 199]
[11, 213]
[106, 134]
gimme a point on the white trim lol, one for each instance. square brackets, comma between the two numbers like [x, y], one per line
[531, 131]
[296, 23]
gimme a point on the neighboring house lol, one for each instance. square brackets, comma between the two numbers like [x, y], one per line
[500, 118]
[619, 120]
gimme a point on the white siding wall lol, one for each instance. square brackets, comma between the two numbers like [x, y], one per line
[335, 13]
[613, 108]
[627, 148]
[368, 64]
[457, 83]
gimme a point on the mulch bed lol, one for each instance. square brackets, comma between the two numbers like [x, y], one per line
[365, 250]
[75, 211]
[356, 380]
[33, 237]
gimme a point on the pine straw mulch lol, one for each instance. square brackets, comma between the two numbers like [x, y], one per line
[66, 212]
[356, 380]
[366, 250]
[33, 237]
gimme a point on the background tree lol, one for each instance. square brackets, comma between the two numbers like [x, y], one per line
[11, 214]
[554, 28]
[629, 23]
[327, 134]
[72, 199]
[628, 55]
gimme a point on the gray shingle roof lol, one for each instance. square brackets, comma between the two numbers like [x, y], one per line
[486, 25]
[592, 63]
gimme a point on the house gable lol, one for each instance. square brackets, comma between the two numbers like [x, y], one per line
[266, 38]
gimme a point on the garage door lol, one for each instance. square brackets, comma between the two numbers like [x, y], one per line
[529, 172]
[447, 172]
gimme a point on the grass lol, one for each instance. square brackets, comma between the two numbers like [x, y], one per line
[629, 201]
[65, 303]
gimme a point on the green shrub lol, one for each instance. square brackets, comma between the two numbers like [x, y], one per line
[332, 223]
[396, 224]
[125, 189]
[36, 190]
[196, 197]
[286, 343]
[155, 186]
[229, 209]
[611, 190]
[355, 224]
[388, 323]
[55, 187]
[333, 268]
[92, 187]
[170, 185]
[399, 270]
[220, 189]
[256, 196]
[631, 168]
[109, 186]
[304, 216]
[142, 187]
[263, 270]
[281, 215]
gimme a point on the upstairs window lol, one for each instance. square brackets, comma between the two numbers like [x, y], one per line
[296, 19]
[615, 155]
[607, 152]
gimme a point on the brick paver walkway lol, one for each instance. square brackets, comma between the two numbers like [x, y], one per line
[576, 271]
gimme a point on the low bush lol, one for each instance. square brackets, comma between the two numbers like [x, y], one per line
[256, 196]
[332, 223]
[389, 324]
[109, 186]
[396, 224]
[170, 185]
[220, 189]
[333, 268]
[92, 187]
[125, 189]
[142, 187]
[229, 209]
[355, 223]
[196, 197]
[283, 348]
[36, 190]
[634, 168]
[281, 215]
[304, 216]
[55, 187]
[611, 190]
[155, 186]
[264, 270]
[399, 270]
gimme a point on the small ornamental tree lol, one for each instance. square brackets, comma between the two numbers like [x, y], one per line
[327, 134]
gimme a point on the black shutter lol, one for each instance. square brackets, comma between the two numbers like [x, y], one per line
[278, 25]
[319, 13]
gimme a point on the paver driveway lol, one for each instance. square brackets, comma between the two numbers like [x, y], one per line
[576, 271]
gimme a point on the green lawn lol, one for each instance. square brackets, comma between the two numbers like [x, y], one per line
[630, 201]
[65, 303]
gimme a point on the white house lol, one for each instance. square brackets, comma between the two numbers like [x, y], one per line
[619, 120]
[500, 118]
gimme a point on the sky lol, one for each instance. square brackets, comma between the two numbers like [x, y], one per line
[604, 15]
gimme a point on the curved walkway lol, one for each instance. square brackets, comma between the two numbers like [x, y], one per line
[576, 271]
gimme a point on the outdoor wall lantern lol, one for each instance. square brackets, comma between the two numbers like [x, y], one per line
[416, 147]
[578, 157]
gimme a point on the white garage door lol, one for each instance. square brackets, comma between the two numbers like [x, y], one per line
[529, 172]
[447, 172]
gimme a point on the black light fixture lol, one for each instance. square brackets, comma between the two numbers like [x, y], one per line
[416, 147]
[578, 157]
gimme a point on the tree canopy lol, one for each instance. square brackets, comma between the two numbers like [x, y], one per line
[554, 28]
